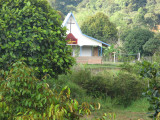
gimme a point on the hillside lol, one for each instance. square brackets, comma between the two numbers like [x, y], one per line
[124, 13]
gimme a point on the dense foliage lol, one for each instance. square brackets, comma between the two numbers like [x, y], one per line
[24, 97]
[135, 39]
[65, 6]
[99, 27]
[152, 71]
[124, 87]
[31, 30]
[152, 45]
[124, 13]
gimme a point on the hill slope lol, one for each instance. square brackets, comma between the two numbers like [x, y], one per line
[124, 13]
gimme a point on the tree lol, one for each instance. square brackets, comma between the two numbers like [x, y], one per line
[31, 30]
[99, 27]
[24, 97]
[152, 45]
[65, 6]
[61, 14]
[135, 40]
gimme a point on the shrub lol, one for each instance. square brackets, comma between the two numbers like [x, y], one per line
[22, 92]
[128, 87]
[81, 77]
[77, 91]
[99, 86]
[152, 93]
[124, 87]
[95, 85]
[31, 30]
[132, 68]
[23, 96]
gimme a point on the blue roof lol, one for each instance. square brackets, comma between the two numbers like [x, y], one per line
[66, 20]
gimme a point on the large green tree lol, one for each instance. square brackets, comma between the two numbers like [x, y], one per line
[152, 45]
[135, 39]
[99, 27]
[31, 30]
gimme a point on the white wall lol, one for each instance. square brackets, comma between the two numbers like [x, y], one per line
[86, 51]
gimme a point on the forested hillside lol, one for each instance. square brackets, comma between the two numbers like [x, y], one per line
[123, 22]
[124, 13]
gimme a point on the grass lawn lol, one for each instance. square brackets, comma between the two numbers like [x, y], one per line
[109, 66]
[106, 65]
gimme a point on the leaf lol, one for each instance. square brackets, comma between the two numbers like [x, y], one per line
[39, 96]
[28, 3]
[58, 31]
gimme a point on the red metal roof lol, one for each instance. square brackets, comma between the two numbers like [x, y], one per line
[71, 38]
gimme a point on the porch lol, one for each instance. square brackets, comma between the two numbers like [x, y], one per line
[86, 51]
[89, 59]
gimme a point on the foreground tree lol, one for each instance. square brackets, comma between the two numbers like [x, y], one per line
[99, 27]
[135, 39]
[31, 30]
[24, 97]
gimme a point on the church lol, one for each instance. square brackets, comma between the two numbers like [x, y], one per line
[86, 49]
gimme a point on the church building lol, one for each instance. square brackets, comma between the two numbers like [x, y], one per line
[86, 49]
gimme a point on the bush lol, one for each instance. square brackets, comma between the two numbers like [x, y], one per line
[31, 30]
[131, 68]
[77, 92]
[95, 85]
[124, 87]
[81, 77]
[99, 86]
[24, 97]
[152, 93]
[22, 92]
[128, 87]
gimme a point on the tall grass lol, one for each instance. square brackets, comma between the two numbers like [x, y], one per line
[123, 87]
[115, 91]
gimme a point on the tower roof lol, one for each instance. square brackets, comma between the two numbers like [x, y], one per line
[71, 38]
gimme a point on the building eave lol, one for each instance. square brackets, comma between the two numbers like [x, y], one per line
[96, 40]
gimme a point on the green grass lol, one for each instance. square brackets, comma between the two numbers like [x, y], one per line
[102, 66]
[96, 68]
[137, 110]
[139, 106]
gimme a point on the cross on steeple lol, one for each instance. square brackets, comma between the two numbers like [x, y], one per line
[70, 24]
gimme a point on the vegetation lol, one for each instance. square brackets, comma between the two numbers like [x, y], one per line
[98, 88]
[152, 45]
[127, 85]
[31, 30]
[34, 89]
[135, 39]
[23, 96]
[151, 71]
[99, 27]
[125, 14]
[65, 6]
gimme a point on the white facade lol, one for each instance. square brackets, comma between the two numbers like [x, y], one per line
[85, 43]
